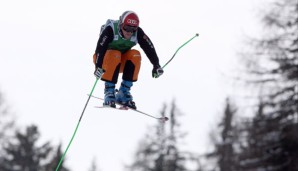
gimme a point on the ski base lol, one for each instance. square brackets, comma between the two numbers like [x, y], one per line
[117, 107]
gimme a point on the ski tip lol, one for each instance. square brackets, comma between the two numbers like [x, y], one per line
[163, 119]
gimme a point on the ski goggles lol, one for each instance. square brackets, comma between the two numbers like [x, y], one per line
[130, 29]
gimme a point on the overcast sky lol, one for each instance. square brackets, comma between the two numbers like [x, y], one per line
[46, 68]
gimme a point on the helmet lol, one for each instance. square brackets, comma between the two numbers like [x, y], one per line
[129, 18]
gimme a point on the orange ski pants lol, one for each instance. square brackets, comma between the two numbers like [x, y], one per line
[114, 62]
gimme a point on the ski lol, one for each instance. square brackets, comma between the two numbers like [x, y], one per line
[123, 107]
[109, 107]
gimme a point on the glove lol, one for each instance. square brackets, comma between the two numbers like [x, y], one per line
[98, 72]
[157, 71]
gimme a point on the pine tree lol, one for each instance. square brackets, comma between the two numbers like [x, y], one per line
[23, 154]
[174, 158]
[275, 70]
[159, 150]
[225, 140]
[55, 157]
[6, 122]
[274, 62]
[263, 149]
[150, 153]
[6, 125]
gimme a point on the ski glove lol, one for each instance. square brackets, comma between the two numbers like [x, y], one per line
[157, 71]
[98, 72]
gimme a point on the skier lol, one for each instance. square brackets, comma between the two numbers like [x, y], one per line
[113, 55]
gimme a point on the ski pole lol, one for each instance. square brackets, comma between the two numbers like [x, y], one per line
[60, 162]
[197, 34]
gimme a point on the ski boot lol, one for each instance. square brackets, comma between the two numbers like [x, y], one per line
[109, 92]
[124, 97]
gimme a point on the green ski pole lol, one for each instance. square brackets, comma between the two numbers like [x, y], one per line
[179, 49]
[60, 162]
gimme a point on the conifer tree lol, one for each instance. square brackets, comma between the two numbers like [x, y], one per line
[24, 154]
[274, 67]
[263, 149]
[6, 122]
[7, 125]
[225, 139]
[56, 155]
[160, 150]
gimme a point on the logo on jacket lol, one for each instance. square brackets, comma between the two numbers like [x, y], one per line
[103, 40]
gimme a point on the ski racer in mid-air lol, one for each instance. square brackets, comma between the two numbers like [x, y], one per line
[114, 55]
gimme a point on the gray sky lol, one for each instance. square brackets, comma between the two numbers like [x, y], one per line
[46, 68]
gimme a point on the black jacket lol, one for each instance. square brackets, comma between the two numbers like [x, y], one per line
[107, 36]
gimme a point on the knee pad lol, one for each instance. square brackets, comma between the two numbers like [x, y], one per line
[130, 65]
[111, 65]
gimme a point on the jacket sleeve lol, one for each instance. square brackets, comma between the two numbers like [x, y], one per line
[106, 37]
[147, 46]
